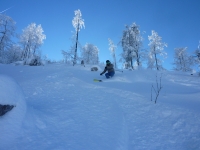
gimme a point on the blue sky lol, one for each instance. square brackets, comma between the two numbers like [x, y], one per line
[176, 21]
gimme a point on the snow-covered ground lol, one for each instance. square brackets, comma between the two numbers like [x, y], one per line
[60, 107]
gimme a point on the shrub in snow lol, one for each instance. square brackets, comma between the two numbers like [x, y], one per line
[10, 123]
[94, 69]
[156, 88]
[34, 61]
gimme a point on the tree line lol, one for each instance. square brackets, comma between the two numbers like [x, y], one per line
[133, 54]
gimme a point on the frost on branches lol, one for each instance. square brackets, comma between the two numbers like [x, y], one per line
[131, 44]
[7, 31]
[197, 57]
[197, 54]
[156, 50]
[31, 39]
[182, 61]
[90, 54]
[112, 49]
[68, 55]
[77, 23]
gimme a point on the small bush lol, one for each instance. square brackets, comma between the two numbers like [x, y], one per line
[33, 61]
[94, 69]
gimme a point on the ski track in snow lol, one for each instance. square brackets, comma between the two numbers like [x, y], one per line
[68, 111]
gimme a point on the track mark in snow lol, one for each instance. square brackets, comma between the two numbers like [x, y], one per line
[166, 113]
[40, 124]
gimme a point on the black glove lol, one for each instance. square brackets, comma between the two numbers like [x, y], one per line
[101, 74]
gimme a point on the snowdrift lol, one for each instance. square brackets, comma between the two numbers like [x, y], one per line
[10, 123]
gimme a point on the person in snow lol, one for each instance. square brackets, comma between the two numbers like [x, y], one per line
[109, 67]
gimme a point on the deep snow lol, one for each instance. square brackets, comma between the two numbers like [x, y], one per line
[59, 107]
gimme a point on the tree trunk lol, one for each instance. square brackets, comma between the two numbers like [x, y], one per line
[156, 62]
[115, 60]
[138, 59]
[75, 54]
[184, 66]
[132, 63]
[156, 58]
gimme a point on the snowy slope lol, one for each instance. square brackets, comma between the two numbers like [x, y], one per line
[66, 110]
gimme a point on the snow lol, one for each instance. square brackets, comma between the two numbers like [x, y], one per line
[10, 123]
[58, 106]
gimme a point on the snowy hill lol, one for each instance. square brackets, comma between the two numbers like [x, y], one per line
[60, 107]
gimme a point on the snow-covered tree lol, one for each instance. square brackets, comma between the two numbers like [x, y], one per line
[112, 49]
[31, 39]
[13, 54]
[182, 60]
[156, 50]
[77, 23]
[131, 44]
[197, 57]
[197, 54]
[90, 54]
[7, 31]
[68, 55]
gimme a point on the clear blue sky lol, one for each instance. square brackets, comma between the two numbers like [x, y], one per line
[176, 21]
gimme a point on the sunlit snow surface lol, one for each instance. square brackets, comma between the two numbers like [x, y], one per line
[59, 107]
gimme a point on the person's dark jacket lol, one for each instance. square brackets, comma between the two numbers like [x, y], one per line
[109, 68]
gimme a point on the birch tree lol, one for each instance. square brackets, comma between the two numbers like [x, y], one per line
[13, 54]
[156, 50]
[31, 39]
[78, 23]
[182, 60]
[131, 44]
[7, 31]
[197, 57]
[197, 54]
[90, 54]
[68, 55]
[112, 49]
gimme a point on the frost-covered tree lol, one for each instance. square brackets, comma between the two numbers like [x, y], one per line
[68, 55]
[156, 50]
[90, 54]
[31, 39]
[182, 60]
[13, 54]
[7, 31]
[112, 49]
[77, 23]
[197, 54]
[131, 44]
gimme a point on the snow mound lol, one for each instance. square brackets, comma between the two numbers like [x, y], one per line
[10, 123]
